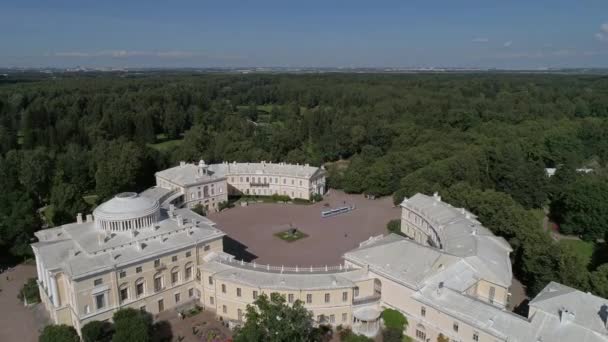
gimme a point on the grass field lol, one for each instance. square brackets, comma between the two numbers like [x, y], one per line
[583, 248]
[167, 145]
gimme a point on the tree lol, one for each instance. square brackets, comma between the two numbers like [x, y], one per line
[66, 202]
[30, 292]
[59, 333]
[272, 320]
[394, 226]
[131, 325]
[96, 331]
[582, 208]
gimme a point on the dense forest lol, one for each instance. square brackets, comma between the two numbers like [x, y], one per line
[482, 141]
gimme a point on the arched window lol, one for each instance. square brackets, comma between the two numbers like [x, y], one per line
[123, 292]
[188, 271]
[174, 275]
[158, 282]
[140, 287]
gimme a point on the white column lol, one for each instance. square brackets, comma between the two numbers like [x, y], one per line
[54, 294]
[38, 269]
[45, 277]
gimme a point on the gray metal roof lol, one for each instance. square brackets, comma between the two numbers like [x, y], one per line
[126, 205]
[264, 168]
[187, 174]
[462, 235]
[82, 249]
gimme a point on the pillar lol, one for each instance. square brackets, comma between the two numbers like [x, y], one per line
[38, 269]
[54, 292]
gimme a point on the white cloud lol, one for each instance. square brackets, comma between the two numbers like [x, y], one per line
[480, 40]
[603, 34]
[508, 43]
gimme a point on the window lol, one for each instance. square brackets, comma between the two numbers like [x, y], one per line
[224, 309]
[161, 305]
[290, 297]
[206, 248]
[246, 179]
[238, 291]
[174, 258]
[223, 288]
[188, 272]
[332, 318]
[100, 301]
[97, 281]
[177, 298]
[421, 335]
[344, 317]
[139, 288]
[284, 181]
[122, 274]
[210, 281]
[327, 298]
[174, 277]
[138, 269]
[188, 254]
[156, 262]
[344, 296]
[124, 294]
[455, 326]
[190, 293]
[158, 283]
[211, 300]
[356, 291]
[255, 295]
[475, 336]
[492, 294]
[423, 311]
[309, 298]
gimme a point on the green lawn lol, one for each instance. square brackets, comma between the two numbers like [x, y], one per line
[287, 236]
[167, 145]
[583, 248]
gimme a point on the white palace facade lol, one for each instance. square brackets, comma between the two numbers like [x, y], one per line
[450, 276]
[209, 185]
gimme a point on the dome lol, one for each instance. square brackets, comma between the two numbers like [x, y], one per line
[127, 211]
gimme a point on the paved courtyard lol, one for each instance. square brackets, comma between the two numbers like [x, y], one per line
[17, 322]
[251, 229]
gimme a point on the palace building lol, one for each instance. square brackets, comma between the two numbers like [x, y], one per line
[209, 185]
[449, 276]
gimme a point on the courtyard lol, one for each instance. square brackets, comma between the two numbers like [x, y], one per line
[252, 229]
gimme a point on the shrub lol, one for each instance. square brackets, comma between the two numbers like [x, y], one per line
[58, 333]
[394, 319]
[225, 205]
[30, 292]
[394, 226]
[392, 335]
[199, 209]
[317, 198]
[96, 331]
[347, 335]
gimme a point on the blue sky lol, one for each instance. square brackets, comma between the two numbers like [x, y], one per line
[174, 33]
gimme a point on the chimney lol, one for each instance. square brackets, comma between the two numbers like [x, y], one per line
[182, 163]
[440, 288]
[79, 218]
[202, 168]
[89, 218]
[180, 221]
[566, 316]
[171, 210]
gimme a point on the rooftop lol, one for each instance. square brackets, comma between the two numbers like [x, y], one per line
[82, 249]
[186, 174]
[265, 168]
